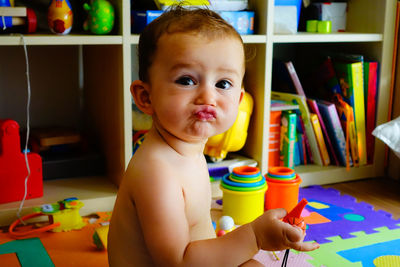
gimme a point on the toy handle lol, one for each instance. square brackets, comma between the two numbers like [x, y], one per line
[38, 230]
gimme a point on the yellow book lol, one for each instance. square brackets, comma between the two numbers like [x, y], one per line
[350, 75]
[359, 110]
[320, 139]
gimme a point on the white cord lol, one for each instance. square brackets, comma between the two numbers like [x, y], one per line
[4, 22]
[27, 130]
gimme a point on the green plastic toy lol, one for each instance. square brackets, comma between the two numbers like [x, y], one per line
[101, 17]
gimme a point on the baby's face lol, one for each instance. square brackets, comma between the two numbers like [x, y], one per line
[195, 84]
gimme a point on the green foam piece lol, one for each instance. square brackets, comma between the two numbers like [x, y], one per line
[327, 255]
[30, 252]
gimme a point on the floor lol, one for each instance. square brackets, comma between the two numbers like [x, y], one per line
[382, 193]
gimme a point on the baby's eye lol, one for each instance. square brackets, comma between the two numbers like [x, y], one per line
[223, 84]
[185, 81]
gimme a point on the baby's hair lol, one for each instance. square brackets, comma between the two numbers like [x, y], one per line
[178, 19]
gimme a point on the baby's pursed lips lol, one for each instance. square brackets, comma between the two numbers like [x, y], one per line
[206, 113]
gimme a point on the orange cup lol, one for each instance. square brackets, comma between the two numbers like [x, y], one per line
[282, 194]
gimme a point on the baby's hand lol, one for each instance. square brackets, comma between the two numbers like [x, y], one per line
[272, 234]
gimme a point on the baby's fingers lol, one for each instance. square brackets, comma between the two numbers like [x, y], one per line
[300, 246]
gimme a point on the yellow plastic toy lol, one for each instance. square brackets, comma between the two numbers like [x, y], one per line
[218, 146]
[63, 216]
[100, 237]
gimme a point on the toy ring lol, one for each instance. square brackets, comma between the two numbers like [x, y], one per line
[246, 171]
[225, 180]
[281, 171]
[38, 230]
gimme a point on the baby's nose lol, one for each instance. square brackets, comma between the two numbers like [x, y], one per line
[206, 95]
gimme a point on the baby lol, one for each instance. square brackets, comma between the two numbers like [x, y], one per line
[191, 67]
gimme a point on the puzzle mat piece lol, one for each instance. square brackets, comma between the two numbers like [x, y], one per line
[343, 227]
[69, 248]
[30, 252]
[387, 261]
[268, 259]
[329, 253]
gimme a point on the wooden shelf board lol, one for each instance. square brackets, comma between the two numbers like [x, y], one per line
[97, 194]
[305, 37]
[319, 175]
[52, 39]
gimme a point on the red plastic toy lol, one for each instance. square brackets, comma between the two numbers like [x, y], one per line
[13, 169]
[294, 216]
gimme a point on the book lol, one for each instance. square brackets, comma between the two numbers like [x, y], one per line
[288, 139]
[345, 113]
[307, 155]
[322, 81]
[282, 105]
[370, 98]
[305, 116]
[295, 79]
[312, 104]
[350, 75]
[335, 131]
[320, 139]
[274, 138]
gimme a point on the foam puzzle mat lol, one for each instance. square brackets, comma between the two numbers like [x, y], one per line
[350, 233]
[74, 248]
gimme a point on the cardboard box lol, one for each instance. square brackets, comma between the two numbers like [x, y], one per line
[242, 21]
[141, 19]
[287, 16]
[335, 12]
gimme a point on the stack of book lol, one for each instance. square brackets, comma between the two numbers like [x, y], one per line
[335, 128]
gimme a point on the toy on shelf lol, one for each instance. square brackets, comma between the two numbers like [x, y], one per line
[60, 16]
[11, 17]
[233, 139]
[46, 138]
[101, 17]
[13, 169]
[63, 216]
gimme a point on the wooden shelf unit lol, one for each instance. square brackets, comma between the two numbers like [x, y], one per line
[98, 70]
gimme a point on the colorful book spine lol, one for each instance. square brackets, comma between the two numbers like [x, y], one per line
[370, 93]
[305, 116]
[306, 144]
[288, 139]
[312, 104]
[351, 80]
[320, 139]
[274, 138]
[334, 128]
[345, 113]
[295, 78]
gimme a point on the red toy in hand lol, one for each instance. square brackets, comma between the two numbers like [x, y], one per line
[294, 216]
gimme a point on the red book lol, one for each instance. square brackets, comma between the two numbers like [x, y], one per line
[370, 93]
[274, 138]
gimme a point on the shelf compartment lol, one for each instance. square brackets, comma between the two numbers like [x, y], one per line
[97, 194]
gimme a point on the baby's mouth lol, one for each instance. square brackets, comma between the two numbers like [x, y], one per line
[206, 114]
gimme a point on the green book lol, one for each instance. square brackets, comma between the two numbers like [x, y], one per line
[288, 138]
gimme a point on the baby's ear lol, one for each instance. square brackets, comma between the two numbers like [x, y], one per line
[241, 95]
[141, 95]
